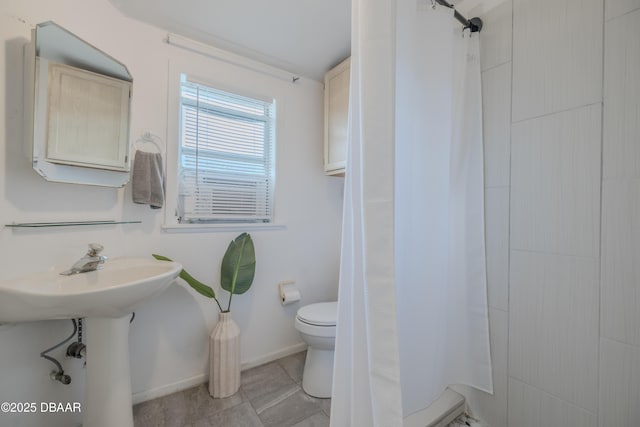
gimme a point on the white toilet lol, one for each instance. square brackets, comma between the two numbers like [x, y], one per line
[317, 326]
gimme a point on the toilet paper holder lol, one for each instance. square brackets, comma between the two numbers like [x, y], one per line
[289, 293]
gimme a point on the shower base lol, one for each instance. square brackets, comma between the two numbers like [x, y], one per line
[449, 406]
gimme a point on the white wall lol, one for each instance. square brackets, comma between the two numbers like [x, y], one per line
[169, 336]
[563, 282]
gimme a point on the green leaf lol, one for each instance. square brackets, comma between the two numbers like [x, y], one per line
[197, 285]
[161, 258]
[238, 265]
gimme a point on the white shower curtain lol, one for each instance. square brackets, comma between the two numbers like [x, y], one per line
[439, 200]
[412, 312]
[366, 385]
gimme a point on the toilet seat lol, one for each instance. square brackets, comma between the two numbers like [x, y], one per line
[320, 314]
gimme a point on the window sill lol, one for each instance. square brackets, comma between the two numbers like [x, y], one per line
[220, 228]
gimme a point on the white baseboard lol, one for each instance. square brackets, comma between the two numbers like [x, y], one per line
[154, 393]
[186, 383]
[449, 406]
[287, 351]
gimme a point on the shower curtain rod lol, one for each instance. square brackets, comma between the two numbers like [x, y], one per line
[473, 24]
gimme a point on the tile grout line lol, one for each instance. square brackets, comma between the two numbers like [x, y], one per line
[554, 396]
[493, 67]
[513, 7]
[552, 113]
[277, 400]
[601, 232]
[619, 15]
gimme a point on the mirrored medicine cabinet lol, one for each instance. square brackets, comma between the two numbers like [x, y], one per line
[77, 108]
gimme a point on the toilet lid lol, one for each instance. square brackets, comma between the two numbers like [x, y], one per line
[321, 314]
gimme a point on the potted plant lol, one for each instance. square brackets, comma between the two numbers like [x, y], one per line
[236, 276]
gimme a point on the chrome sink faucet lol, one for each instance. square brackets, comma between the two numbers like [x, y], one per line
[90, 262]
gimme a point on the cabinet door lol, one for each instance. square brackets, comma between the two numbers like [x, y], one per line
[336, 111]
[88, 119]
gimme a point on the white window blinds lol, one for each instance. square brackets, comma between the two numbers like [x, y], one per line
[226, 156]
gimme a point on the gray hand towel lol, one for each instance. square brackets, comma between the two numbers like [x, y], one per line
[147, 179]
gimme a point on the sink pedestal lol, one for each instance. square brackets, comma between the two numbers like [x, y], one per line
[108, 381]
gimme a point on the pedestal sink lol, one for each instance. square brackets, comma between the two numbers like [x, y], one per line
[106, 299]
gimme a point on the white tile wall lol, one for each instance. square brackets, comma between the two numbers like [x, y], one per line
[495, 37]
[530, 407]
[493, 408]
[620, 275]
[557, 55]
[496, 121]
[555, 183]
[619, 393]
[621, 155]
[553, 325]
[619, 384]
[614, 8]
[497, 246]
[563, 372]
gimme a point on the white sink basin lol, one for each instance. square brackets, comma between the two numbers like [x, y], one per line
[112, 292]
[105, 298]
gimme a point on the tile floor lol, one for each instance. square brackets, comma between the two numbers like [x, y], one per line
[269, 396]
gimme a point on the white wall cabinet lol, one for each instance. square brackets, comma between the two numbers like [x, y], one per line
[336, 111]
[77, 110]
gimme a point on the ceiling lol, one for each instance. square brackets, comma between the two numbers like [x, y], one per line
[304, 37]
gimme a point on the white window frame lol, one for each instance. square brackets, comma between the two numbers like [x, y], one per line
[194, 70]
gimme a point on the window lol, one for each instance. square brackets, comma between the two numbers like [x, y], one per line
[226, 169]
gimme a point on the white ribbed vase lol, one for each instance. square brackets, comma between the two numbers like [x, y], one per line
[224, 357]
